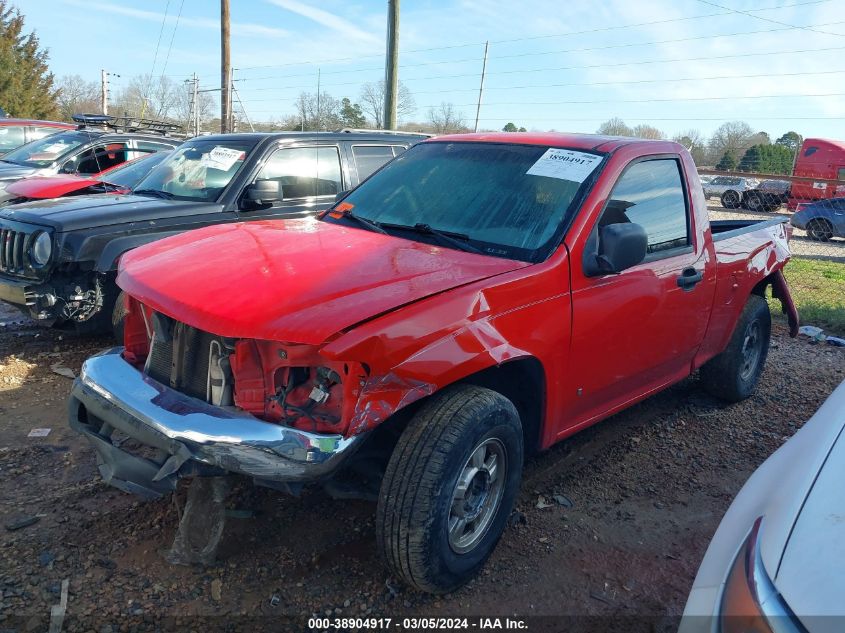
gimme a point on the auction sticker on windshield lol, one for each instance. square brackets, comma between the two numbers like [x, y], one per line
[221, 158]
[565, 164]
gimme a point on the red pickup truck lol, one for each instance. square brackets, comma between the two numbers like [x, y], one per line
[478, 298]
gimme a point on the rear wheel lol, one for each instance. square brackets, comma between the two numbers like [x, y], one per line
[755, 202]
[449, 488]
[819, 230]
[731, 200]
[733, 375]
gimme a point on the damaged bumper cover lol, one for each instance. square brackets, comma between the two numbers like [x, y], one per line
[190, 437]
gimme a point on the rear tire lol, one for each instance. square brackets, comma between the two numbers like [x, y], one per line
[755, 202]
[819, 230]
[731, 200]
[734, 374]
[449, 488]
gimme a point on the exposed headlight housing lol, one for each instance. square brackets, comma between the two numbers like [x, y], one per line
[42, 248]
[750, 602]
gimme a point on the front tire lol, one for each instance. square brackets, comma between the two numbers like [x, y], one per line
[734, 374]
[449, 487]
[819, 230]
[731, 200]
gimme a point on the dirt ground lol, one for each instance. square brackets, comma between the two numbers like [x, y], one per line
[638, 498]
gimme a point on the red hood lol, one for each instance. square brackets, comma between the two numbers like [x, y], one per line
[298, 281]
[43, 187]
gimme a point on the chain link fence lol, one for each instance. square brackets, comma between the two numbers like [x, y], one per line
[815, 210]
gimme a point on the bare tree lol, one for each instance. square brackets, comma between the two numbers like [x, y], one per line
[150, 98]
[614, 127]
[206, 106]
[75, 95]
[372, 102]
[695, 142]
[318, 114]
[647, 131]
[734, 137]
[446, 119]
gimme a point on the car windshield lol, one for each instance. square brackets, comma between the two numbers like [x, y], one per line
[505, 200]
[198, 170]
[46, 151]
[130, 173]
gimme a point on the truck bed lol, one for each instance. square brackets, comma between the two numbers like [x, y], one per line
[724, 229]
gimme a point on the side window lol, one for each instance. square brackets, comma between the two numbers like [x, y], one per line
[650, 193]
[369, 158]
[718, 180]
[304, 171]
[11, 136]
[145, 148]
[101, 157]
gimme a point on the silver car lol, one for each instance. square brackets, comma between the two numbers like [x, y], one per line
[729, 189]
[777, 561]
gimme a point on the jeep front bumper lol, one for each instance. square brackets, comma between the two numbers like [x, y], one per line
[187, 436]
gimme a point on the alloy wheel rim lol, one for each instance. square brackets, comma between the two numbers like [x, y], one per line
[477, 495]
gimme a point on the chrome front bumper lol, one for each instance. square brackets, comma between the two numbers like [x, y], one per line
[190, 437]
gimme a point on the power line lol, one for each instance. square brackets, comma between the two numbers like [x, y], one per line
[757, 17]
[725, 11]
[541, 53]
[172, 37]
[158, 44]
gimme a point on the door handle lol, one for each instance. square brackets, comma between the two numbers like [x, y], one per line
[689, 278]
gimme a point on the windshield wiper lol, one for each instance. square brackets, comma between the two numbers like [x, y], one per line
[154, 192]
[370, 224]
[458, 240]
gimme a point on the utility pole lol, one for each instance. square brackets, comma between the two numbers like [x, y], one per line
[225, 70]
[481, 87]
[195, 106]
[104, 97]
[319, 114]
[391, 70]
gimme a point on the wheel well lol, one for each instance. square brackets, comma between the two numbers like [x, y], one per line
[823, 221]
[521, 381]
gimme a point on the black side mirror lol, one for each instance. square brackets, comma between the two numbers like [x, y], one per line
[621, 246]
[263, 193]
[340, 195]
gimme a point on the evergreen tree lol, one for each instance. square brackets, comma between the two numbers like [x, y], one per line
[727, 162]
[351, 114]
[26, 83]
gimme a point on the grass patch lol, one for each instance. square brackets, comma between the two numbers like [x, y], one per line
[818, 288]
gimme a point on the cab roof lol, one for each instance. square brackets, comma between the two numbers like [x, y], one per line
[595, 142]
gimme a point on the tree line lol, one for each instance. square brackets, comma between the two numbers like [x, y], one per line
[733, 146]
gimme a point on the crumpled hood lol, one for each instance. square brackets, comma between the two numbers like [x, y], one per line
[49, 186]
[297, 281]
[89, 211]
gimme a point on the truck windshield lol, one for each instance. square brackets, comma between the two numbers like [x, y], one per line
[198, 170]
[504, 200]
[46, 151]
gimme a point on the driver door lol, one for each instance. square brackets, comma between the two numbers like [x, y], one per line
[310, 178]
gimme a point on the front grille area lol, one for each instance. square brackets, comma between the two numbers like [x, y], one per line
[179, 356]
[13, 251]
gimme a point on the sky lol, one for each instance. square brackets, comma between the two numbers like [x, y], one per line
[566, 66]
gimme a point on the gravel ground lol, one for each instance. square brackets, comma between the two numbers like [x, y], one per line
[612, 522]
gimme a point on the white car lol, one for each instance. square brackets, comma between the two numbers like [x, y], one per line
[777, 561]
[729, 189]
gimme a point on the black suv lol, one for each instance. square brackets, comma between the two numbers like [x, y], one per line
[58, 258]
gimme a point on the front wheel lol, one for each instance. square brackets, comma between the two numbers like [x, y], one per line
[731, 200]
[819, 230]
[733, 375]
[449, 488]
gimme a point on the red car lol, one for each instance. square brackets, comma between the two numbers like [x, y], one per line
[16, 132]
[478, 298]
[115, 180]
